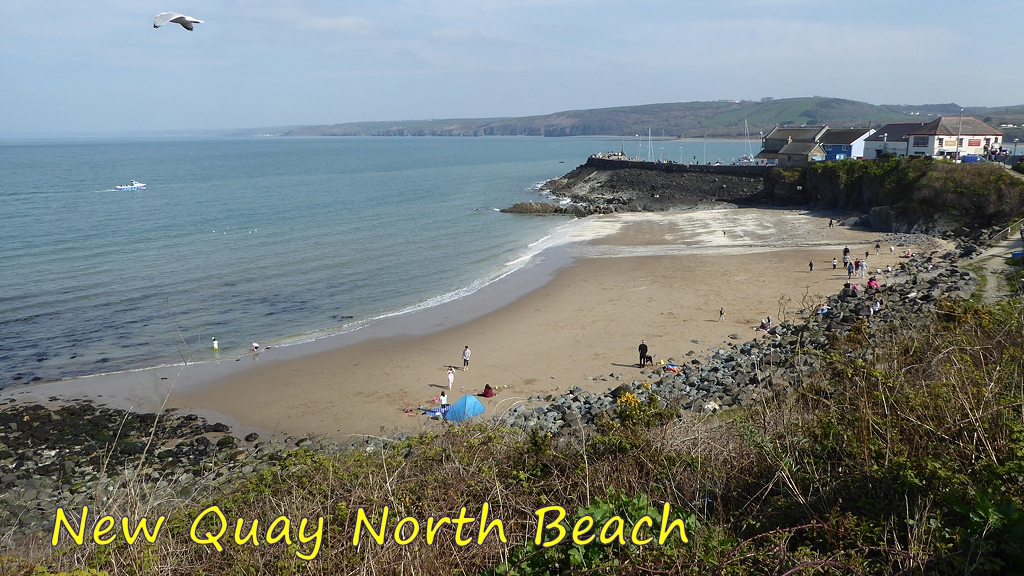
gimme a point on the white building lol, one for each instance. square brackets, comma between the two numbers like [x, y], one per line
[890, 139]
[947, 135]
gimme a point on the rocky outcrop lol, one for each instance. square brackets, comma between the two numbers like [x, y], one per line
[532, 208]
[83, 455]
[578, 210]
[604, 186]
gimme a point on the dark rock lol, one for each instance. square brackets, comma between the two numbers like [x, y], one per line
[531, 208]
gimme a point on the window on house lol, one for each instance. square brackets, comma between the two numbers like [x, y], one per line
[920, 141]
[941, 141]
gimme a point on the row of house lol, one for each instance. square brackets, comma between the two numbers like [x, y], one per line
[945, 136]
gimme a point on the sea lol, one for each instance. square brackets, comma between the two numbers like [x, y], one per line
[276, 240]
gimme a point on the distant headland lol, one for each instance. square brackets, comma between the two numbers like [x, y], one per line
[715, 119]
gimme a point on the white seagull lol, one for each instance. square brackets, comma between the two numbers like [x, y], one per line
[165, 17]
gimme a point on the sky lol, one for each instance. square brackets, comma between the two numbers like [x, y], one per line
[98, 66]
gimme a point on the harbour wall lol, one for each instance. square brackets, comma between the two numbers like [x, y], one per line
[610, 164]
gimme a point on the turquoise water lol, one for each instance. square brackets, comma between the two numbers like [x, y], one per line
[275, 240]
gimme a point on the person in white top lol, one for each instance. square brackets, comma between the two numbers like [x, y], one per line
[465, 358]
[451, 377]
[444, 399]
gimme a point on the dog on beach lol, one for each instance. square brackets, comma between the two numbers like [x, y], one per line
[648, 361]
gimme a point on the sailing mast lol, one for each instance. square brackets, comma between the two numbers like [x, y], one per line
[746, 135]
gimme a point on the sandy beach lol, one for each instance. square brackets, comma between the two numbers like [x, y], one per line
[661, 277]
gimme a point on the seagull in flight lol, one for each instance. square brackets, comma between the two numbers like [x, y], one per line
[165, 17]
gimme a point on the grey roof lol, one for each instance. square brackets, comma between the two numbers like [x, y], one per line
[847, 137]
[797, 133]
[950, 126]
[800, 148]
[894, 132]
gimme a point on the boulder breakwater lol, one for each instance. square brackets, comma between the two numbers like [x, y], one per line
[737, 373]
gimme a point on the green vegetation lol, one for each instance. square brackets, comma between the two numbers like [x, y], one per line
[1015, 277]
[720, 119]
[974, 194]
[904, 454]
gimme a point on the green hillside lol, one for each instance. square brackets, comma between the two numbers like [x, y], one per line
[720, 119]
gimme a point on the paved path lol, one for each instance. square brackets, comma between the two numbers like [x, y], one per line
[993, 262]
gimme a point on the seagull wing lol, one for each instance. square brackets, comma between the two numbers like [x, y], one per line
[165, 17]
[185, 21]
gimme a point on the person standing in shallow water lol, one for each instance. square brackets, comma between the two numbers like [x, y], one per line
[465, 358]
[643, 352]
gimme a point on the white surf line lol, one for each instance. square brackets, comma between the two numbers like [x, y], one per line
[588, 251]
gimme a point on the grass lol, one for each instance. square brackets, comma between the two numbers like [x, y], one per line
[904, 454]
[981, 274]
[1014, 278]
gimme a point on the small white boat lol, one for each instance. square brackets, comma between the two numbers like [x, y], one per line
[133, 186]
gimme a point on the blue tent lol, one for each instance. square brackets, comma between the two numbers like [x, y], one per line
[464, 409]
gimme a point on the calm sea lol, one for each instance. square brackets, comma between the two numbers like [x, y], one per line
[276, 240]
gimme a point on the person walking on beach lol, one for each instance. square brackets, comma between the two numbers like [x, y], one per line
[721, 314]
[831, 223]
[451, 376]
[643, 352]
[443, 399]
[849, 271]
[878, 248]
[835, 263]
[465, 358]
[811, 265]
[846, 251]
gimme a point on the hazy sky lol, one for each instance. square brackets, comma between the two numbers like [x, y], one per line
[77, 65]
